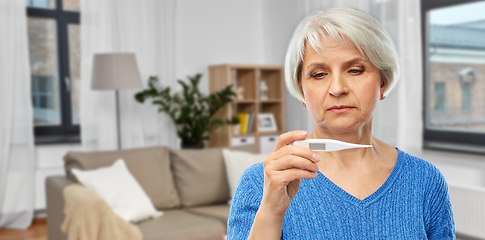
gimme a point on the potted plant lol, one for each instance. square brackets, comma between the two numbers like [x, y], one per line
[234, 121]
[189, 109]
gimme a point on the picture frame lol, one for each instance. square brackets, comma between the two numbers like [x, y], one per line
[266, 122]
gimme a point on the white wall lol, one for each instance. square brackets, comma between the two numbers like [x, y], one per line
[280, 19]
[212, 32]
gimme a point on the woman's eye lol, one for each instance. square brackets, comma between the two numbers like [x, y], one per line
[318, 75]
[355, 71]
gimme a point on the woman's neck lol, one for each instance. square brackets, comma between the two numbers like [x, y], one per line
[360, 136]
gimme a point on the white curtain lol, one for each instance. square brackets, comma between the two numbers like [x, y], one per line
[16, 122]
[146, 28]
[398, 118]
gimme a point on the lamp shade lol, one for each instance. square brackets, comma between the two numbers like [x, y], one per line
[115, 71]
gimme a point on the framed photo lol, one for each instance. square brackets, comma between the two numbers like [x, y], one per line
[266, 122]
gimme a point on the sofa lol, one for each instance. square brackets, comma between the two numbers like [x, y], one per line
[190, 187]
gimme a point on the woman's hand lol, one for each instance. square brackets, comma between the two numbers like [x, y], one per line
[283, 170]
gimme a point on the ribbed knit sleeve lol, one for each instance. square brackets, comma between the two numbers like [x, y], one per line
[245, 203]
[438, 212]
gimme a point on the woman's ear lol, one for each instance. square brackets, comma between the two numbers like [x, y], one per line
[300, 86]
[382, 89]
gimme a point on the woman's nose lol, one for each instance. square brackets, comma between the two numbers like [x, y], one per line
[338, 86]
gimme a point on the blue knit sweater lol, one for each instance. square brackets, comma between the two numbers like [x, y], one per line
[413, 203]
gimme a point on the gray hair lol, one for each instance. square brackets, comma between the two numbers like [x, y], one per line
[353, 26]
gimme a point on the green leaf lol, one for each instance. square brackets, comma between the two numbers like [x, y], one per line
[190, 110]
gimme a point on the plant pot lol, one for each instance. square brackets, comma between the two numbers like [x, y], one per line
[192, 146]
[236, 129]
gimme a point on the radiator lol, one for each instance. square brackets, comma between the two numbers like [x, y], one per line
[468, 204]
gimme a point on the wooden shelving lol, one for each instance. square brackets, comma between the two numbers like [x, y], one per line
[249, 78]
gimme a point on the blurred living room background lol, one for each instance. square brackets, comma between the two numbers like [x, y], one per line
[49, 107]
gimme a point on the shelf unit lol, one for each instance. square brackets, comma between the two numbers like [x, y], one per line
[249, 78]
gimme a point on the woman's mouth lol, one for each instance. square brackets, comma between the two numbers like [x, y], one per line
[340, 109]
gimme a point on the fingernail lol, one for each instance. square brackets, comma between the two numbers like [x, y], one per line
[316, 157]
[302, 133]
[316, 166]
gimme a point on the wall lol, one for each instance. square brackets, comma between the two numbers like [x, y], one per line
[280, 19]
[212, 32]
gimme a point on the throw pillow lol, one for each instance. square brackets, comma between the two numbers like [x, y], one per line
[236, 163]
[200, 176]
[150, 166]
[120, 190]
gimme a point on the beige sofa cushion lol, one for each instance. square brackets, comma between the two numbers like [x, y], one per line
[219, 212]
[149, 166]
[181, 225]
[200, 176]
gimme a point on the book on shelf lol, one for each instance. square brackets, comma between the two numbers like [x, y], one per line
[250, 123]
[246, 122]
[243, 121]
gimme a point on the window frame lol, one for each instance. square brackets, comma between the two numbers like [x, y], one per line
[448, 140]
[66, 132]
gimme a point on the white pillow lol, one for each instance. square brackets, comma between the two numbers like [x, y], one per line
[236, 163]
[120, 190]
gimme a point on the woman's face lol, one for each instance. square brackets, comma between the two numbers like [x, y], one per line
[341, 88]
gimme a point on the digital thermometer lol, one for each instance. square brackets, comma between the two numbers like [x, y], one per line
[328, 145]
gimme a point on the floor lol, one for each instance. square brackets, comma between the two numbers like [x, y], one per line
[37, 231]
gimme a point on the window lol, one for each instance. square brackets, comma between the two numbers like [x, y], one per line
[439, 102]
[454, 73]
[54, 49]
[466, 101]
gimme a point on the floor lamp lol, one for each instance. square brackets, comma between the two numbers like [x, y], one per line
[115, 71]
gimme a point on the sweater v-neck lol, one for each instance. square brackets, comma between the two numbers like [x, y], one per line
[375, 195]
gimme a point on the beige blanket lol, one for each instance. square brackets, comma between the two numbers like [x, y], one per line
[88, 217]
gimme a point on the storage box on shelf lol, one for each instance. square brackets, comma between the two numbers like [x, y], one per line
[254, 97]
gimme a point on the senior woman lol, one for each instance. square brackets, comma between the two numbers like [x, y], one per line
[340, 63]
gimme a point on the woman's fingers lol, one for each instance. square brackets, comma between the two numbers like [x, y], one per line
[296, 151]
[289, 161]
[288, 157]
[290, 175]
[288, 138]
